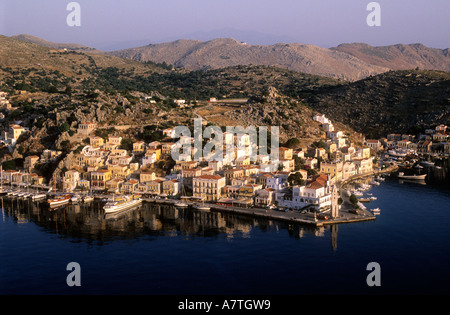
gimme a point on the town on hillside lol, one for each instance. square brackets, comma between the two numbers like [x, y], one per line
[302, 178]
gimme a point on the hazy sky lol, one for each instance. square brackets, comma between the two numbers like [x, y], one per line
[326, 23]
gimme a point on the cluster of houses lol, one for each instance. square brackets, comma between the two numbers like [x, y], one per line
[432, 141]
[103, 166]
[236, 179]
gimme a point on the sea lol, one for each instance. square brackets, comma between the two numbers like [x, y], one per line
[162, 250]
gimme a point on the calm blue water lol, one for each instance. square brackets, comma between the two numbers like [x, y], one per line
[160, 250]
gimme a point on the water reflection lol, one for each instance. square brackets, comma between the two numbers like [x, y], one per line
[87, 222]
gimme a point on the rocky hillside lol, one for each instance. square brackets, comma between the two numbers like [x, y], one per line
[45, 43]
[33, 59]
[399, 57]
[221, 53]
[397, 101]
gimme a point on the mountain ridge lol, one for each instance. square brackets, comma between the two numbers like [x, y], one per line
[347, 61]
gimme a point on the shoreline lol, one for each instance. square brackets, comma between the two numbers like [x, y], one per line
[290, 216]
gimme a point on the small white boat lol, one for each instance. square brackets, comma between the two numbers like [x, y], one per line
[38, 196]
[75, 199]
[181, 204]
[415, 177]
[87, 199]
[122, 203]
[201, 207]
[373, 198]
[396, 153]
[376, 210]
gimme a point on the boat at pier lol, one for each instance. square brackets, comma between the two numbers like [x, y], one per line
[396, 153]
[87, 199]
[122, 203]
[202, 207]
[414, 177]
[181, 204]
[37, 196]
[59, 200]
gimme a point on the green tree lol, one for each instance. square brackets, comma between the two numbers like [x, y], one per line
[64, 127]
[353, 199]
[295, 179]
[126, 144]
[292, 143]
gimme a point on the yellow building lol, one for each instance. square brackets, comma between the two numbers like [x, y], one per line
[139, 147]
[157, 153]
[233, 173]
[171, 187]
[332, 169]
[146, 176]
[167, 148]
[121, 171]
[242, 161]
[114, 185]
[155, 186]
[285, 153]
[99, 179]
[208, 187]
[364, 152]
[96, 141]
[113, 140]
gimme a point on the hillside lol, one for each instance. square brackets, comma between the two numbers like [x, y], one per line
[45, 43]
[226, 52]
[399, 57]
[397, 101]
[36, 60]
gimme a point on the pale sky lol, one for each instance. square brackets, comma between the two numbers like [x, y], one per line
[117, 24]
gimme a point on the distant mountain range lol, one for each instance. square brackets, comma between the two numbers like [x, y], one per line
[350, 62]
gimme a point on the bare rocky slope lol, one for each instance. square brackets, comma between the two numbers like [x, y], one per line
[399, 57]
[226, 52]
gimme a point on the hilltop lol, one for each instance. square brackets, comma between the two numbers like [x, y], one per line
[18, 55]
[349, 62]
[42, 42]
[226, 52]
[399, 57]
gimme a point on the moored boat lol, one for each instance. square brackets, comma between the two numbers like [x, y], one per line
[75, 199]
[87, 199]
[181, 204]
[59, 200]
[37, 196]
[122, 203]
[415, 177]
[202, 207]
[376, 211]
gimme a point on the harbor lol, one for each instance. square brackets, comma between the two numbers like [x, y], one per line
[286, 215]
[158, 247]
[53, 199]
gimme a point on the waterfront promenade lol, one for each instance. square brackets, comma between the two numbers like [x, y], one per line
[346, 215]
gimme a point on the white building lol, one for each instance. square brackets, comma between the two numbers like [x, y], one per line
[316, 193]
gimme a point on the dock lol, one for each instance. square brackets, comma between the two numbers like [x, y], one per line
[291, 216]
